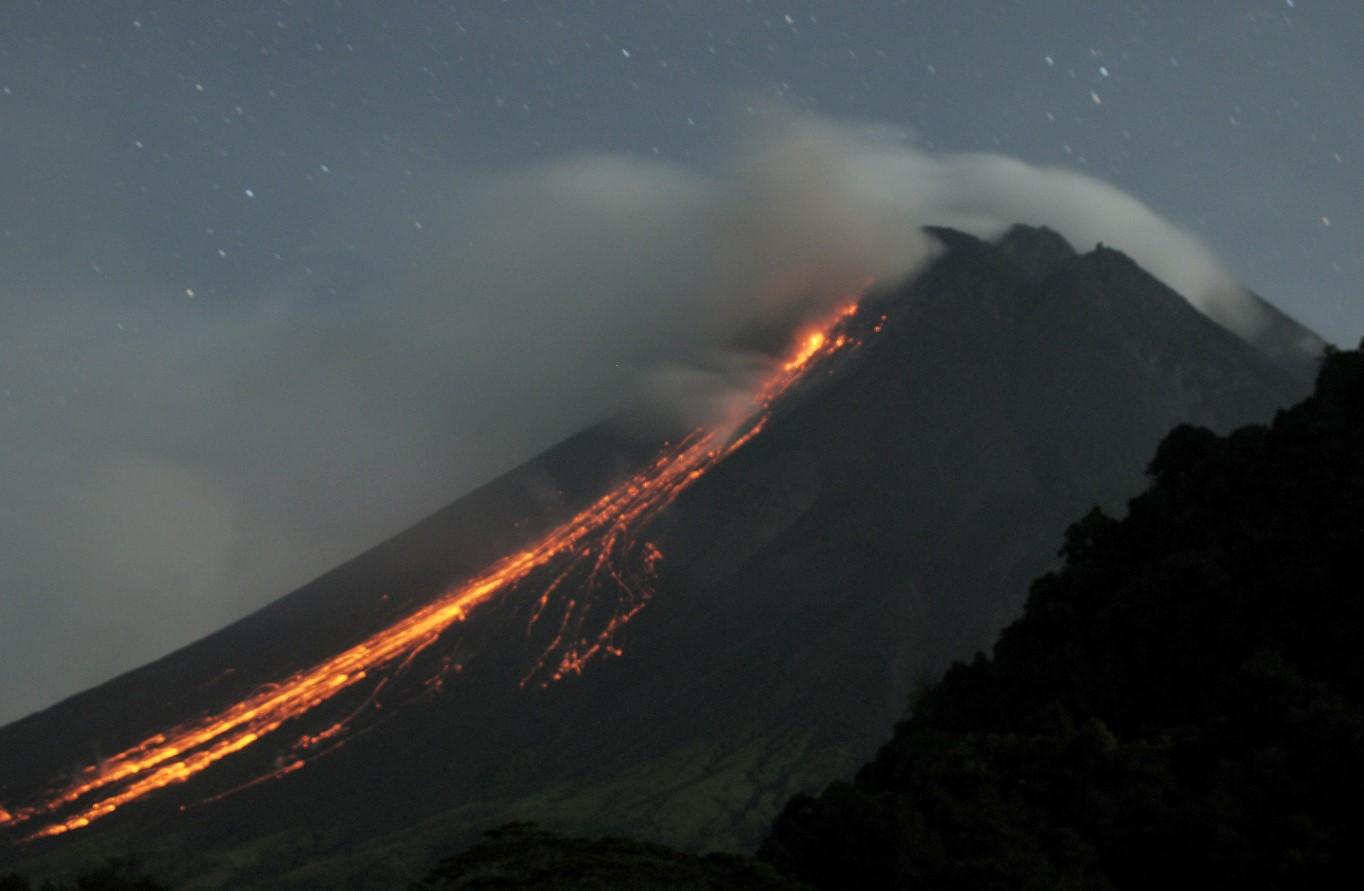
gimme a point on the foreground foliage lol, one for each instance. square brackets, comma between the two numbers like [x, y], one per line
[116, 875]
[1181, 705]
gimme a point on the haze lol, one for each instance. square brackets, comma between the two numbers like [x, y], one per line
[280, 281]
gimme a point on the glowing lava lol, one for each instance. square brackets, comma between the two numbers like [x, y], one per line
[600, 549]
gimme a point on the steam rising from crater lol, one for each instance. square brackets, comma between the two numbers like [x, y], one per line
[645, 261]
[274, 436]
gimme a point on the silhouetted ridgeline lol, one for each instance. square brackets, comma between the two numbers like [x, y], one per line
[1180, 706]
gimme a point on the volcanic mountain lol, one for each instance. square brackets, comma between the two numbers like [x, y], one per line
[714, 627]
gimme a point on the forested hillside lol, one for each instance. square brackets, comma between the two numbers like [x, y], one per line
[1179, 706]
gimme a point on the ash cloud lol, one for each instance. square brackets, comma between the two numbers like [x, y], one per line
[169, 466]
[986, 193]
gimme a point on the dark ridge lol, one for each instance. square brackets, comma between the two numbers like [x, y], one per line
[1036, 250]
[955, 239]
[1182, 705]
[1293, 346]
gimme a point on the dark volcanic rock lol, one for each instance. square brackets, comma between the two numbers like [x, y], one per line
[1036, 251]
[1181, 706]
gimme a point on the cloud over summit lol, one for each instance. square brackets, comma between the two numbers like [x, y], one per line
[169, 466]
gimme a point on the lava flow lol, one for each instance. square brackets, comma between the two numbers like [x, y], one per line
[600, 546]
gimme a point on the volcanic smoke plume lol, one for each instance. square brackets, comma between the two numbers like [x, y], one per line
[164, 481]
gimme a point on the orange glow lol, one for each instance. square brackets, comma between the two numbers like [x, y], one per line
[807, 349]
[602, 565]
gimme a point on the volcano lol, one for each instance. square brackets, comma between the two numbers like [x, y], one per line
[666, 640]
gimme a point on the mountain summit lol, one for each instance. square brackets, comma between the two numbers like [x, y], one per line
[881, 519]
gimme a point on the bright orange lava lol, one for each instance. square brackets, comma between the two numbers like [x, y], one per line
[601, 545]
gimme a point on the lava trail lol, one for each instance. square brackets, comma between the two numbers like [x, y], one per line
[599, 548]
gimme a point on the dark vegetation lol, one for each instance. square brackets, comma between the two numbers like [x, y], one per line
[1182, 705]
[1179, 706]
[116, 875]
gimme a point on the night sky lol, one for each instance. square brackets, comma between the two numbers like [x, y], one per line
[213, 213]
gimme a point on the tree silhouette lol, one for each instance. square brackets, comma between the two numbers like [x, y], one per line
[1181, 704]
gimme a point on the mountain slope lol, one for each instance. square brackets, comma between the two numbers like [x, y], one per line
[869, 535]
[1181, 705]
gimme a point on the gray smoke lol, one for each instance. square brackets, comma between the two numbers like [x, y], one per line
[169, 467]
